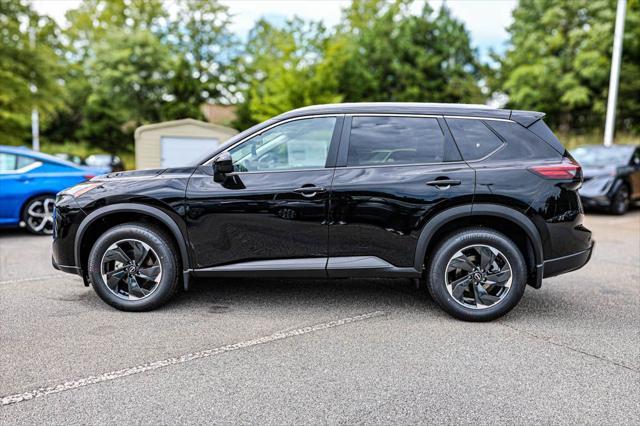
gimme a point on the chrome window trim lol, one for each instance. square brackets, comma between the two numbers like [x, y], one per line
[259, 132]
[442, 163]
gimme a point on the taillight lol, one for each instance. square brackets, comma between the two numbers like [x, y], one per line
[566, 170]
[89, 177]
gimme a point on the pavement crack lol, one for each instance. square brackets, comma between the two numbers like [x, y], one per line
[571, 348]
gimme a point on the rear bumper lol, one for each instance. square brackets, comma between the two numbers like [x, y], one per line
[568, 263]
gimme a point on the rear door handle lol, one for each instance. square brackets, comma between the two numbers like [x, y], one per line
[444, 183]
[309, 191]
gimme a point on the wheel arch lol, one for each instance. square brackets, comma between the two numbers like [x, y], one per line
[501, 218]
[118, 212]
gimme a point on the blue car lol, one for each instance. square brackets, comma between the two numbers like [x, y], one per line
[29, 181]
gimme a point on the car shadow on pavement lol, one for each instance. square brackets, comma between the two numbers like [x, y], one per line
[225, 295]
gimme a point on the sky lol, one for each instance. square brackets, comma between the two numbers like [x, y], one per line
[486, 20]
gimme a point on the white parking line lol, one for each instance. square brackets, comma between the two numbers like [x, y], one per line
[74, 384]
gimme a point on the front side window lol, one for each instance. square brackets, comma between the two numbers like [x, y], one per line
[295, 145]
[473, 137]
[379, 140]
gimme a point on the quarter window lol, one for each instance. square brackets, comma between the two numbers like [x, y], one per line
[7, 162]
[11, 162]
[521, 143]
[473, 137]
[295, 145]
[378, 140]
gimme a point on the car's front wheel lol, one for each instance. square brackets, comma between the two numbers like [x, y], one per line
[134, 267]
[37, 215]
[620, 201]
[477, 274]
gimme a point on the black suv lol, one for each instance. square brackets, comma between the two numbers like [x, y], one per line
[473, 201]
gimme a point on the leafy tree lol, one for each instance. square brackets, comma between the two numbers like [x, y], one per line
[559, 62]
[128, 87]
[284, 68]
[200, 34]
[396, 55]
[29, 68]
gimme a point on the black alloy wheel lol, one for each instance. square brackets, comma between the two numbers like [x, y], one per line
[134, 267]
[477, 274]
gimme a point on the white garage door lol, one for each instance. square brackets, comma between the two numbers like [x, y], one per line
[183, 151]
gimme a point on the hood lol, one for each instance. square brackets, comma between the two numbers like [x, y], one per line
[149, 173]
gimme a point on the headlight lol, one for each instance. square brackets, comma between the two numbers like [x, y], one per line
[83, 188]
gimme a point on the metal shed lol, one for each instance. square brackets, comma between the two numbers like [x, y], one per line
[177, 143]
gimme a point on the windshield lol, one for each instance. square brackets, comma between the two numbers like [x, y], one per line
[600, 156]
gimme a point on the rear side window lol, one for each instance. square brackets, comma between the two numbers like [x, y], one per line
[395, 140]
[473, 137]
[543, 131]
[521, 143]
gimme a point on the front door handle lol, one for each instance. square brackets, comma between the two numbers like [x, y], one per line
[309, 191]
[444, 183]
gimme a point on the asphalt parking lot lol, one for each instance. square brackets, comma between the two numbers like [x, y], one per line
[296, 351]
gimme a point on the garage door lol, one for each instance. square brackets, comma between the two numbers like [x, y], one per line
[183, 151]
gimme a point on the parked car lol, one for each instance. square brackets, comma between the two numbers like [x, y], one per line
[112, 162]
[75, 159]
[475, 203]
[29, 181]
[611, 176]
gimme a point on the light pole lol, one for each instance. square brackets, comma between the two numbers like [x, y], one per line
[35, 118]
[614, 78]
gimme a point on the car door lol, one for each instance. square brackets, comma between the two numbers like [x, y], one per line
[271, 212]
[16, 184]
[393, 174]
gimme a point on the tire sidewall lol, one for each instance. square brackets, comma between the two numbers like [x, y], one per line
[446, 250]
[160, 245]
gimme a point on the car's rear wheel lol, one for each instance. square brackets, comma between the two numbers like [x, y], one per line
[477, 274]
[134, 267]
[620, 201]
[37, 215]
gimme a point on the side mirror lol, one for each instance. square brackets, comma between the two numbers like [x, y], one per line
[222, 165]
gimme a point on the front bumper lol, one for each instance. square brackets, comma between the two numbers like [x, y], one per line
[568, 263]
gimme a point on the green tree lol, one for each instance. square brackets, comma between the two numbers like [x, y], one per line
[285, 67]
[396, 55]
[128, 88]
[29, 69]
[559, 60]
[200, 34]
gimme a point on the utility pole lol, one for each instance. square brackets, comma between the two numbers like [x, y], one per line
[35, 118]
[614, 77]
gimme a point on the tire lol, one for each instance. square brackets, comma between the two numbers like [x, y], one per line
[472, 299]
[37, 215]
[149, 253]
[620, 201]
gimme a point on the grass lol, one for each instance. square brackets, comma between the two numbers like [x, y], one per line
[573, 140]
